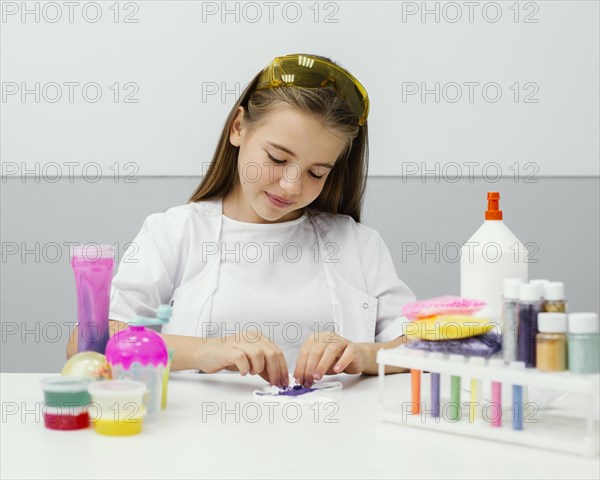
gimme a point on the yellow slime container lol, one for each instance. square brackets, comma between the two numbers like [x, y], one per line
[117, 406]
[121, 426]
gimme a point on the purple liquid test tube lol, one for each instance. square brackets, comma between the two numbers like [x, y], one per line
[93, 268]
[435, 387]
[435, 394]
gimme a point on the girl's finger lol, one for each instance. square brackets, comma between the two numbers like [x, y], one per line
[330, 355]
[314, 357]
[281, 365]
[346, 359]
[276, 365]
[272, 366]
[257, 359]
[285, 374]
[265, 376]
[239, 359]
[301, 363]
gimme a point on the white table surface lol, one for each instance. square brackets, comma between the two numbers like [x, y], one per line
[183, 444]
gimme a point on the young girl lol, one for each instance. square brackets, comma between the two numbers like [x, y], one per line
[267, 268]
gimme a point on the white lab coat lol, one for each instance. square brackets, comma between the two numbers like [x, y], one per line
[175, 259]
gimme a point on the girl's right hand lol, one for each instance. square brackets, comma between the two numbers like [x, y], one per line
[249, 353]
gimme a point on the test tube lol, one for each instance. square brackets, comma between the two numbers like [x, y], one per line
[496, 394]
[454, 410]
[435, 386]
[475, 404]
[415, 380]
[517, 398]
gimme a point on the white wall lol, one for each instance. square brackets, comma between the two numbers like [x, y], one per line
[170, 66]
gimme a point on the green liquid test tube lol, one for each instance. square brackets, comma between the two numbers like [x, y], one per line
[454, 410]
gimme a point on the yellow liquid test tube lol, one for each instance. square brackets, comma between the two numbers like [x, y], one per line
[475, 406]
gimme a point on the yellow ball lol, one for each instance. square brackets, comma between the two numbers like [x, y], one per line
[88, 364]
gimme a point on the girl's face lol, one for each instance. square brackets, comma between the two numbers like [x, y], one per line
[288, 155]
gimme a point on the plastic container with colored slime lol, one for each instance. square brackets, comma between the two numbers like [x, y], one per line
[66, 400]
[137, 353]
[117, 406]
[65, 418]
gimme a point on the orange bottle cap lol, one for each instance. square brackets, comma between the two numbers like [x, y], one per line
[493, 211]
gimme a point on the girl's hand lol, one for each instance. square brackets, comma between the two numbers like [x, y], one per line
[328, 353]
[258, 355]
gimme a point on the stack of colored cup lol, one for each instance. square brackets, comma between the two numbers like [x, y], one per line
[66, 402]
[118, 406]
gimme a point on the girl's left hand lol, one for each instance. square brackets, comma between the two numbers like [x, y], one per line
[327, 353]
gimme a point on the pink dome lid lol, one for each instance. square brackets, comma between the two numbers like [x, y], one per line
[137, 344]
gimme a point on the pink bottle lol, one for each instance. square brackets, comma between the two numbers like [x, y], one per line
[93, 269]
[141, 354]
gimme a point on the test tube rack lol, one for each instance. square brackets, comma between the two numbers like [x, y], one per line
[573, 432]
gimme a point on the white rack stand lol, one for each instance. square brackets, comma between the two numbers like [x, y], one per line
[572, 431]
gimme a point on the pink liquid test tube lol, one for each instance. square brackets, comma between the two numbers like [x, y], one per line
[496, 412]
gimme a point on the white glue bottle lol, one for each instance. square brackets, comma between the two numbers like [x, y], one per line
[491, 255]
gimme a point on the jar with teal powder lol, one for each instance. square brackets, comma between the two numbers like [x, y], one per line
[583, 343]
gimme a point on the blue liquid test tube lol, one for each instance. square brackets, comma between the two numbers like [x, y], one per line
[517, 398]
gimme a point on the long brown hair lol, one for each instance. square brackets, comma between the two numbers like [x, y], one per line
[344, 188]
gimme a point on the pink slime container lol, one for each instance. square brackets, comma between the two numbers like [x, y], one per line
[141, 354]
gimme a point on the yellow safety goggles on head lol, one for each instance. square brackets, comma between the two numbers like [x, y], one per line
[309, 72]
